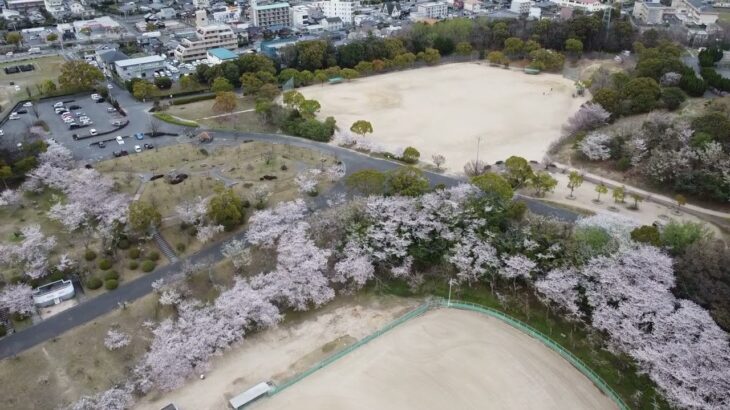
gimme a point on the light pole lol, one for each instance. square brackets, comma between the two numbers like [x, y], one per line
[479, 140]
[448, 303]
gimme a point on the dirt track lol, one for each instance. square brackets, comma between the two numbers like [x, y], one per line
[447, 359]
[444, 109]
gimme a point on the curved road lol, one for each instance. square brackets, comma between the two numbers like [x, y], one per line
[130, 291]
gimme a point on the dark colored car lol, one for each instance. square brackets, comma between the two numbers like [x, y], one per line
[100, 100]
[148, 146]
[22, 111]
[102, 145]
[74, 107]
[120, 153]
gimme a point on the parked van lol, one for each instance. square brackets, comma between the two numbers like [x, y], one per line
[34, 50]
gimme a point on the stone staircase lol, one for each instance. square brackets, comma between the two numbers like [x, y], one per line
[164, 247]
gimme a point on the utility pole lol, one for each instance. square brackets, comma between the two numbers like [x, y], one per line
[479, 140]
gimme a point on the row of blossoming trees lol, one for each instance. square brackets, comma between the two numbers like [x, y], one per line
[593, 273]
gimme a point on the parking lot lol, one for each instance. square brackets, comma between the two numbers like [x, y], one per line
[102, 117]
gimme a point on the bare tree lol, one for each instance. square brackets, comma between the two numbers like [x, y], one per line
[438, 160]
[475, 167]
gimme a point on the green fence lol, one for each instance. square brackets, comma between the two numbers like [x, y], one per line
[524, 327]
[331, 359]
[456, 304]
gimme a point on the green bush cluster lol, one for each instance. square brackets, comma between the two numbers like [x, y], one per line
[93, 283]
[111, 284]
[89, 255]
[105, 264]
[148, 266]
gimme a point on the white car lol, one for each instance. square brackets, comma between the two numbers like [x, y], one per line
[58, 104]
[137, 148]
[109, 86]
[120, 140]
[14, 116]
[1, 133]
[93, 132]
[17, 88]
[168, 73]
[28, 104]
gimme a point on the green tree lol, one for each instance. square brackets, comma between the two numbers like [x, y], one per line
[287, 74]
[311, 55]
[574, 47]
[48, 87]
[250, 83]
[366, 182]
[293, 99]
[143, 90]
[404, 60]
[681, 201]
[530, 46]
[321, 76]
[187, 82]
[601, 189]
[679, 235]
[268, 92]
[163, 83]
[349, 74]
[543, 182]
[575, 179]
[361, 127]
[518, 171]
[497, 58]
[464, 49]
[642, 93]
[411, 155]
[491, 182]
[253, 63]
[406, 181]
[143, 216]
[672, 97]
[547, 60]
[429, 56]
[5, 173]
[619, 194]
[364, 67]
[716, 124]
[221, 84]
[225, 102]
[52, 37]
[637, 198]
[309, 108]
[513, 47]
[13, 37]
[78, 75]
[266, 77]
[609, 99]
[226, 208]
[646, 234]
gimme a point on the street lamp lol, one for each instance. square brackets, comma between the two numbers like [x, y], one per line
[479, 140]
[448, 303]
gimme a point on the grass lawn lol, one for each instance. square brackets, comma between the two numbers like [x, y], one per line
[200, 109]
[242, 121]
[724, 16]
[45, 68]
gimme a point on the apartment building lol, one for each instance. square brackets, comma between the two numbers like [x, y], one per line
[275, 15]
[432, 10]
[344, 9]
[520, 6]
[207, 36]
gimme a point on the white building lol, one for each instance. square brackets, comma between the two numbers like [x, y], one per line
[475, 6]
[650, 12]
[432, 10]
[232, 14]
[695, 12]
[208, 36]
[343, 9]
[590, 6]
[520, 6]
[274, 15]
[139, 67]
[24, 5]
[299, 15]
[331, 23]
[55, 8]
[53, 293]
[201, 4]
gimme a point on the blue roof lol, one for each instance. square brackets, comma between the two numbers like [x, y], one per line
[223, 53]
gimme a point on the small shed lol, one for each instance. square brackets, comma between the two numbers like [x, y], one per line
[335, 80]
[532, 71]
[250, 395]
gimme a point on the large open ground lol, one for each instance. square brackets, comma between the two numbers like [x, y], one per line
[445, 109]
[446, 359]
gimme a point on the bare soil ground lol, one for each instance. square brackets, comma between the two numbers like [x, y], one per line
[446, 359]
[445, 109]
[46, 68]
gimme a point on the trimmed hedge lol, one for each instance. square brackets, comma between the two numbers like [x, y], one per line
[134, 253]
[105, 264]
[148, 266]
[133, 265]
[93, 283]
[173, 120]
[180, 247]
[154, 256]
[123, 244]
[193, 98]
[111, 275]
[111, 284]
[90, 255]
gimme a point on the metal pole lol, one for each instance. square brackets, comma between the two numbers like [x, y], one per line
[479, 140]
[448, 304]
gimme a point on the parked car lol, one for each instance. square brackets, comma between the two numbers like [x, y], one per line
[100, 100]
[58, 104]
[139, 136]
[120, 153]
[74, 126]
[120, 140]
[93, 132]
[111, 109]
[1, 133]
[74, 107]
[148, 146]
[109, 86]
[28, 104]
[22, 111]
[60, 110]
[102, 144]
[14, 116]
[117, 123]
[137, 148]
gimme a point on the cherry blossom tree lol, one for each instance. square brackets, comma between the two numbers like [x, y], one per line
[238, 252]
[10, 197]
[57, 156]
[590, 116]
[207, 232]
[116, 398]
[265, 227]
[115, 339]
[299, 279]
[355, 268]
[307, 181]
[473, 258]
[517, 266]
[17, 298]
[595, 146]
[192, 212]
[31, 254]
[560, 287]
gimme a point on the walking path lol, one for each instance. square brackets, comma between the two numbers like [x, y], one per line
[224, 115]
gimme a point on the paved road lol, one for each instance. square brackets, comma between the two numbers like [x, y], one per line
[130, 291]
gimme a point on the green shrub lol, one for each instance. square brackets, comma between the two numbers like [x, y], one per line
[154, 256]
[112, 274]
[89, 255]
[105, 264]
[180, 247]
[623, 164]
[646, 234]
[194, 98]
[123, 244]
[93, 283]
[148, 266]
[56, 276]
[3, 330]
[410, 155]
[174, 120]
[134, 253]
[16, 279]
[111, 284]
[679, 235]
[133, 265]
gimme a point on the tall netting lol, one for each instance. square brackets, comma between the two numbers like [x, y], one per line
[288, 85]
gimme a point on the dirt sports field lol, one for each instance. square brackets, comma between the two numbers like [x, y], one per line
[444, 109]
[446, 359]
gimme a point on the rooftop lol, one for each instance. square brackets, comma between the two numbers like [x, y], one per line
[140, 60]
[271, 6]
[222, 53]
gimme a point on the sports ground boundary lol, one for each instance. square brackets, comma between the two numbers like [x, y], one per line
[461, 305]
